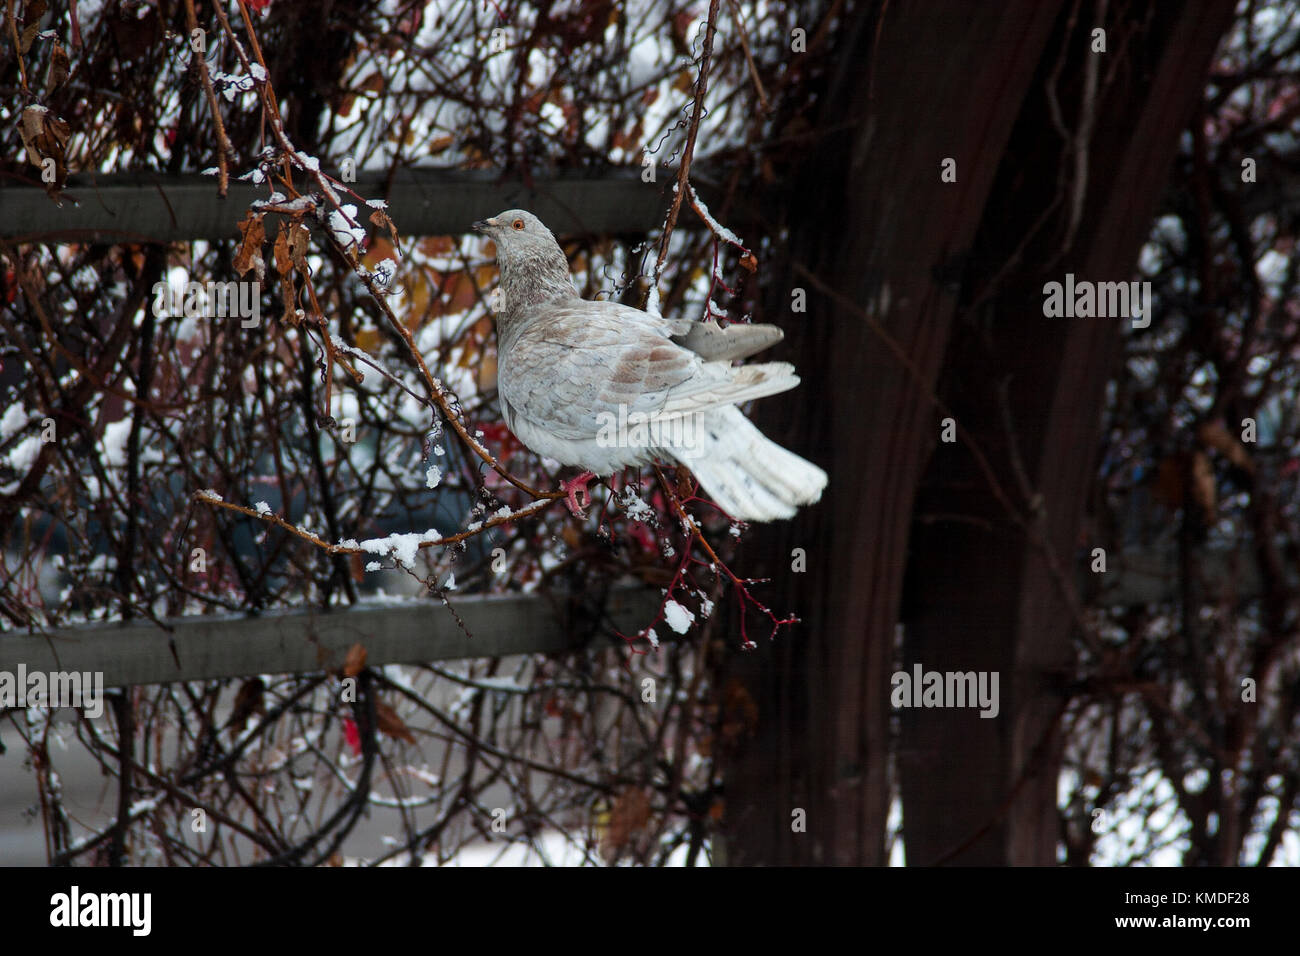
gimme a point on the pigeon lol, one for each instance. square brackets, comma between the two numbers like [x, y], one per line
[603, 386]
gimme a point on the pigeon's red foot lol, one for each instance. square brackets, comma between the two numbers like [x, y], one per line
[575, 488]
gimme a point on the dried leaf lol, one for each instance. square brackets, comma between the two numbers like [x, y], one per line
[390, 724]
[248, 701]
[59, 68]
[46, 138]
[284, 266]
[253, 231]
[355, 662]
[299, 238]
[380, 218]
[289, 300]
[283, 261]
[627, 818]
[32, 13]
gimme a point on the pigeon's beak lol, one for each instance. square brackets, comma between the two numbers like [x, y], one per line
[484, 225]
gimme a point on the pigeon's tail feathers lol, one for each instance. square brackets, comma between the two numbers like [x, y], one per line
[731, 385]
[748, 475]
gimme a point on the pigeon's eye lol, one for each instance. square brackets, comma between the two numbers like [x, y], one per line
[517, 224]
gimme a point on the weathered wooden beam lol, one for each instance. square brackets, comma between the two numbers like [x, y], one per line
[299, 641]
[146, 207]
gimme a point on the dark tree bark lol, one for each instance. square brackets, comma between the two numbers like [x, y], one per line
[874, 225]
[875, 235]
[985, 595]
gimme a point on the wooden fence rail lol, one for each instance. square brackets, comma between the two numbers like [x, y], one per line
[301, 641]
[144, 207]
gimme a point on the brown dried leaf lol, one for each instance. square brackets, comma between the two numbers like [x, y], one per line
[355, 662]
[289, 299]
[380, 218]
[46, 137]
[248, 701]
[253, 231]
[32, 13]
[627, 818]
[390, 724]
[283, 261]
[60, 67]
[299, 239]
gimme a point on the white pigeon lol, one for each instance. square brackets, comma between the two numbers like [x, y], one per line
[603, 386]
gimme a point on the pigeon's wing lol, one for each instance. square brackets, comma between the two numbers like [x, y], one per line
[706, 339]
[574, 364]
[582, 359]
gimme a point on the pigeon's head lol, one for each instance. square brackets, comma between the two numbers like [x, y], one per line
[533, 266]
[518, 234]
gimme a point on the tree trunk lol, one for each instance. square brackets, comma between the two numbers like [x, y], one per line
[875, 232]
[982, 594]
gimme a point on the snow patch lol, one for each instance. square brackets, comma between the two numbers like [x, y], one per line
[677, 617]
